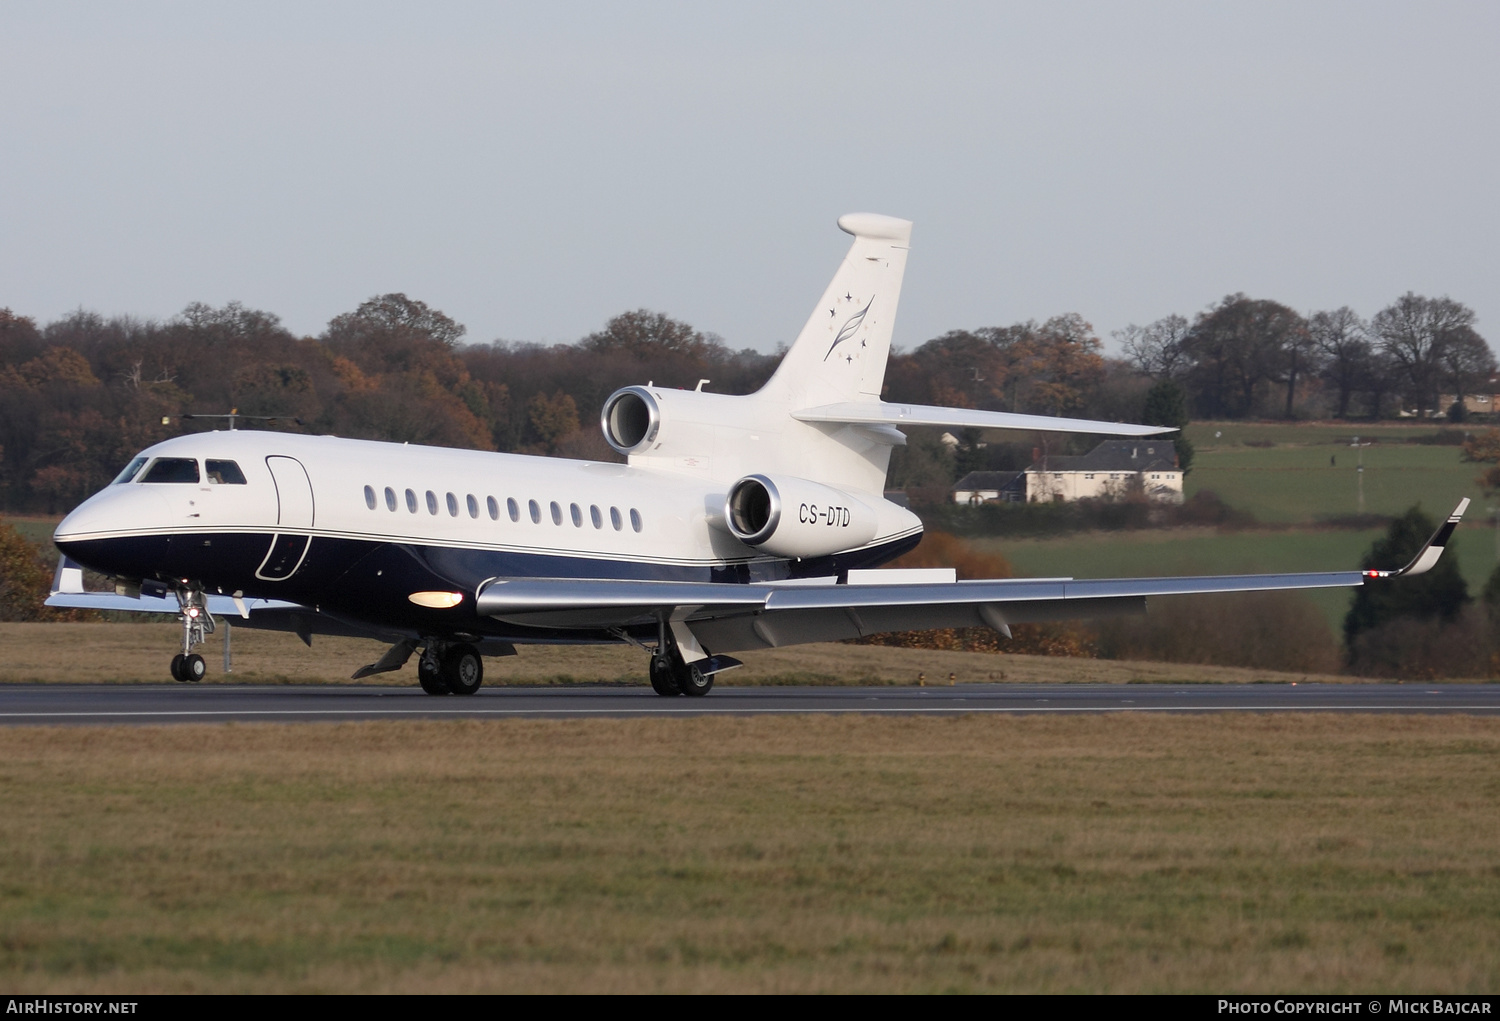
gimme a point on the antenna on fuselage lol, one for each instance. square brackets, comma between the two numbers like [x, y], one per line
[235, 416]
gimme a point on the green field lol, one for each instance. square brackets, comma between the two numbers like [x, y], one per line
[1294, 482]
[1183, 551]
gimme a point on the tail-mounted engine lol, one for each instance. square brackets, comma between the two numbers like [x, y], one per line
[791, 517]
[631, 420]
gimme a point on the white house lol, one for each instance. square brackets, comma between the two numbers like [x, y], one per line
[1109, 471]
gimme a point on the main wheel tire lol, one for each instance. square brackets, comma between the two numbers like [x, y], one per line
[430, 676]
[193, 668]
[177, 674]
[463, 670]
[663, 681]
[692, 681]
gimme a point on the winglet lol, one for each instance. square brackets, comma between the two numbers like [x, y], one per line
[1427, 556]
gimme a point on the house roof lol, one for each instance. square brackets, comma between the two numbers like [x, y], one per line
[1116, 456]
[976, 481]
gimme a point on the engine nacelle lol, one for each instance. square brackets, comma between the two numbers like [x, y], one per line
[792, 517]
[631, 420]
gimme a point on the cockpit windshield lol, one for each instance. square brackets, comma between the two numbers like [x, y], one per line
[172, 469]
[225, 473]
[130, 470]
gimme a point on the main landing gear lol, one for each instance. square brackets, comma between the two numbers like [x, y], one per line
[197, 624]
[671, 676]
[671, 673]
[450, 668]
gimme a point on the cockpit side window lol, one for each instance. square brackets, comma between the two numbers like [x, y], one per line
[130, 470]
[225, 473]
[172, 469]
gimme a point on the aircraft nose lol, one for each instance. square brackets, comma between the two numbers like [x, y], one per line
[110, 511]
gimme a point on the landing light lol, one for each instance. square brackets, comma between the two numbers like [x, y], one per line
[437, 600]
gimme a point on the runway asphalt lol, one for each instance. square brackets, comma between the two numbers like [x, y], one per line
[217, 703]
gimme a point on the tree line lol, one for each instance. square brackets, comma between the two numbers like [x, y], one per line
[1247, 357]
[81, 394]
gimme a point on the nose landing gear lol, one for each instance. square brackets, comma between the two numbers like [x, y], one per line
[197, 624]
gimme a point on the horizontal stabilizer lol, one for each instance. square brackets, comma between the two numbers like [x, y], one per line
[881, 413]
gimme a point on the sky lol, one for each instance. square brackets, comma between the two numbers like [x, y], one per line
[534, 169]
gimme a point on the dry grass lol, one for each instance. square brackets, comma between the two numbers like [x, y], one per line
[138, 653]
[1128, 853]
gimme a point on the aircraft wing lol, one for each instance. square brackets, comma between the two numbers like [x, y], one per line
[731, 618]
[880, 413]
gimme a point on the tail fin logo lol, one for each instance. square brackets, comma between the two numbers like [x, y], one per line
[849, 329]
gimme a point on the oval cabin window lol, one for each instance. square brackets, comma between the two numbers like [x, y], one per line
[452, 506]
[556, 513]
[511, 509]
[370, 497]
[536, 512]
[635, 519]
[411, 501]
[614, 518]
[595, 516]
[494, 508]
[390, 498]
[431, 502]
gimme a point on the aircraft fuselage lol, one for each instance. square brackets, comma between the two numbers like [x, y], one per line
[357, 528]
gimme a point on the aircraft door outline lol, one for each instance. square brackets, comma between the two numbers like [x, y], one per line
[295, 508]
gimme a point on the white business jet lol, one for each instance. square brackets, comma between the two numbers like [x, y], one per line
[739, 523]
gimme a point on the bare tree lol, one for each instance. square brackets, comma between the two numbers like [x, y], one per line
[1414, 332]
[1342, 338]
[1156, 349]
[1236, 347]
[1467, 362]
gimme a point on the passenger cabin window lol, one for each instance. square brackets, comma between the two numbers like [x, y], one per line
[513, 510]
[130, 470]
[390, 498]
[172, 469]
[370, 497]
[411, 501]
[595, 516]
[577, 515]
[635, 519]
[536, 512]
[431, 502]
[494, 508]
[452, 506]
[614, 518]
[473, 505]
[556, 513]
[227, 473]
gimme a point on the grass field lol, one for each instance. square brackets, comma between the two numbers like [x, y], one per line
[1182, 551]
[138, 653]
[1294, 482]
[1124, 854]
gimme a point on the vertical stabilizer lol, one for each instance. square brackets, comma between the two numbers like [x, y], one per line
[840, 354]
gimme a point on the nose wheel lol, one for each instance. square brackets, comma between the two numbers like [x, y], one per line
[197, 624]
[188, 668]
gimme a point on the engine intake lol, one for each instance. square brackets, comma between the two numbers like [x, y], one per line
[792, 517]
[631, 419]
